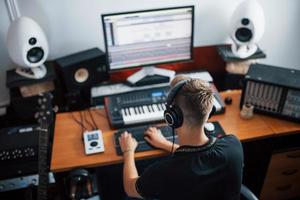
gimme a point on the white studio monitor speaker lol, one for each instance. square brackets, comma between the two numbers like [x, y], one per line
[246, 28]
[27, 47]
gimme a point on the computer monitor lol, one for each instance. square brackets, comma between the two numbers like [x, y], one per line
[149, 37]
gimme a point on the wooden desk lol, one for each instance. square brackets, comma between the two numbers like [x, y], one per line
[281, 127]
[245, 130]
[68, 149]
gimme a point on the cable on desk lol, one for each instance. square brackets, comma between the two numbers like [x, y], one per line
[99, 113]
[83, 128]
[92, 118]
[88, 122]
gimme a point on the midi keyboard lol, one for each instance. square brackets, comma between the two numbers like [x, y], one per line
[144, 106]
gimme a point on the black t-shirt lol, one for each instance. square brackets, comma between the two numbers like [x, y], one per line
[207, 172]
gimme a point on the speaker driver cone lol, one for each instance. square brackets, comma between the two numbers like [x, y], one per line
[81, 75]
[35, 55]
[243, 34]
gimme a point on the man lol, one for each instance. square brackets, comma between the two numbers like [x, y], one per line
[201, 167]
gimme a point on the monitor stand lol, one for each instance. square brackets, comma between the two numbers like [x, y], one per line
[150, 75]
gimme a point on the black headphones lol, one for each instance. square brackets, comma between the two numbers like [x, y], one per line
[81, 184]
[173, 114]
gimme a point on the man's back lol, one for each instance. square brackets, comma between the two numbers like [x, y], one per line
[210, 171]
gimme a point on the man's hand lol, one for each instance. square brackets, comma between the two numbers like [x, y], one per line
[155, 138]
[127, 143]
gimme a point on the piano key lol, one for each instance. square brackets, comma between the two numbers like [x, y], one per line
[146, 111]
[155, 108]
[151, 107]
[126, 117]
[141, 115]
[160, 113]
[131, 111]
[154, 115]
[162, 106]
[142, 110]
[123, 112]
[158, 106]
[135, 110]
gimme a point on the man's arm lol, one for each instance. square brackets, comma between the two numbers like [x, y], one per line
[130, 174]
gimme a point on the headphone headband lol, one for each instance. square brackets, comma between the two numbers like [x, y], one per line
[174, 91]
[173, 114]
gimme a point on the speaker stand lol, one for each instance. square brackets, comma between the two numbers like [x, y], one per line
[32, 73]
[136, 79]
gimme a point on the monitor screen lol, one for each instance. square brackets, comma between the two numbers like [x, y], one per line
[148, 37]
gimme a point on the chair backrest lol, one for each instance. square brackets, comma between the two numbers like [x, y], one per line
[246, 194]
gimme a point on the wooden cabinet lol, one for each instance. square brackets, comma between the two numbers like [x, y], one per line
[283, 176]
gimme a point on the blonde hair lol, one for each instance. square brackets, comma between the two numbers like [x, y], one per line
[195, 100]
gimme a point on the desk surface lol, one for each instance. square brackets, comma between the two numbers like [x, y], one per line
[68, 148]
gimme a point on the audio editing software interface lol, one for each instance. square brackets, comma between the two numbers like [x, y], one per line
[149, 37]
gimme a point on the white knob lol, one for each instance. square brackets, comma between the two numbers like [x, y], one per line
[209, 126]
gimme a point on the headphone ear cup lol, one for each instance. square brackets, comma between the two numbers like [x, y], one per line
[173, 116]
[179, 116]
[169, 117]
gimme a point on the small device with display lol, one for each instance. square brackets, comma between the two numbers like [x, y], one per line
[93, 142]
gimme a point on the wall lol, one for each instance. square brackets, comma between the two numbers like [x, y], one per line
[74, 25]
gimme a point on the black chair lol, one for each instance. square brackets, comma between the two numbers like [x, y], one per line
[246, 194]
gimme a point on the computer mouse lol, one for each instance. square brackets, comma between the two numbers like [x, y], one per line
[208, 126]
[228, 100]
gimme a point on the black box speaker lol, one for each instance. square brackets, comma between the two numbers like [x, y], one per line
[83, 69]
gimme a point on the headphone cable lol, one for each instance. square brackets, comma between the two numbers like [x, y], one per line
[99, 113]
[173, 133]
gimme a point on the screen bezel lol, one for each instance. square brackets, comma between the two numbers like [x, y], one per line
[154, 63]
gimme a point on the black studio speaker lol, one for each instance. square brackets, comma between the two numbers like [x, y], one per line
[83, 69]
[78, 72]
